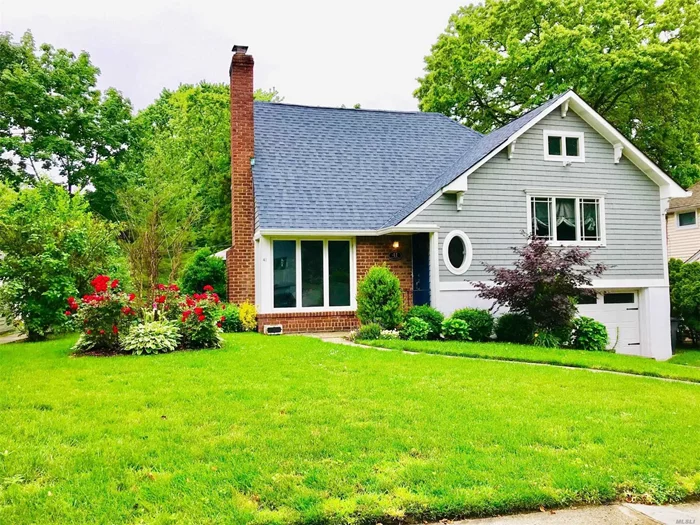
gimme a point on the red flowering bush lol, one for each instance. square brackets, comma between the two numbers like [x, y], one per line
[200, 321]
[103, 316]
[167, 302]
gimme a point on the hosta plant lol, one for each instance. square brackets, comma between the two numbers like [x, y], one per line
[154, 337]
[454, 329]
[415, 329]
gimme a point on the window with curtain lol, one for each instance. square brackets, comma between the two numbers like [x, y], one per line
[311, 273]
[566, 219]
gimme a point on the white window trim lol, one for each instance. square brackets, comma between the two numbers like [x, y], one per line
[581, 157]
[553, 195]
[326, 291]
[688, 226]
[467, 256]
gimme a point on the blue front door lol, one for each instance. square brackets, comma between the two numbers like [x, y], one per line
[421, 268]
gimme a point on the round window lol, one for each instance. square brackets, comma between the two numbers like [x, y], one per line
[457, 252]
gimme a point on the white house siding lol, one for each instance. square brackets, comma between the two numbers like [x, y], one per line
[683, 243]
[495, 209]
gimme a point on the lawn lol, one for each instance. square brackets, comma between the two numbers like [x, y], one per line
[686, 357]
[556, 356]
[292, 429]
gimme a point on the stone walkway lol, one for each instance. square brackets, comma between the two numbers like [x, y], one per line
[11, 337]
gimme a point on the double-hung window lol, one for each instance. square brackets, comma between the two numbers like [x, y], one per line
[309, 273]
[567, 220]
[566, 146]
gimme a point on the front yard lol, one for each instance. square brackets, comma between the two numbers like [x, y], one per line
[292, 429]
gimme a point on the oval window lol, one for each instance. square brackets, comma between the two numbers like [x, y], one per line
[457, 252]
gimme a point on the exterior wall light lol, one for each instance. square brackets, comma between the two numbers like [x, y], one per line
[395, 245]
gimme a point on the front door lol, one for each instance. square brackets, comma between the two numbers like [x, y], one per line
[421, 268]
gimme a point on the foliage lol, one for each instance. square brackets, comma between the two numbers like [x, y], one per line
[415, 329]
[684, 281]
[546, 339]
[379, 298]
[52, 247]
[249, 317]
[167, 302]
[543, 283]
[102, 316]
[456, 329]
[369, 332]
[515, 328]
[637, 65]
[53, 119]
[155, 337]
[430, 315]
[589, 334]
[231, 318]
[480, 322]
[200, 321]
[204, 269]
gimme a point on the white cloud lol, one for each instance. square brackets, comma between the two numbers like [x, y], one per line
[314, 52]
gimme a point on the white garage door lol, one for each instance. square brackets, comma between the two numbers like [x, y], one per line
[619, 312]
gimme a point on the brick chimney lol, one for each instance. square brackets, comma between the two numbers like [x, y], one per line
[241, 257]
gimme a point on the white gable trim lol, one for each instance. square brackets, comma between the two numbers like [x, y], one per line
[412, 228]
[570, 100]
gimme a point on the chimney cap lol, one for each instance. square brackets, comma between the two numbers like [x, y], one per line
[239, 50]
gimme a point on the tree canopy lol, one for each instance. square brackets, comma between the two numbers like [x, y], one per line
[53, 119]
[636, 63]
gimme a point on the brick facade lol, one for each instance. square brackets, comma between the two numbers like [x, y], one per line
[240, 259]
[370, 251]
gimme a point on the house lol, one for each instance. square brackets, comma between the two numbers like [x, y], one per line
[321, 194]
[682, 226]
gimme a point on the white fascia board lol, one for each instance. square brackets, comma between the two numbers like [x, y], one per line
[599, 284]
[668, 188]
[413, 228]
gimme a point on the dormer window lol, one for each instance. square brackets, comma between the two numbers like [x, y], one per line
[564, 146]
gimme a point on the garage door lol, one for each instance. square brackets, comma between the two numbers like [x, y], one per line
[619, 312]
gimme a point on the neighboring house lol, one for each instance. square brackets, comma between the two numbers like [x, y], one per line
[682, 226]
[320, 195]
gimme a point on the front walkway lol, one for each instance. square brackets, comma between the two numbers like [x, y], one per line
[623, 514]
[11, 337]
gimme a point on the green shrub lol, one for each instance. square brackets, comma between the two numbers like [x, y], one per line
[589, 334]
[546, 339]
[156, 337]
[369, 332]
[379, 298]
[415, 329]
[431, 316]
[204, 269]
[480, 322]
[515, 328]
[454, 329]
[230, 319]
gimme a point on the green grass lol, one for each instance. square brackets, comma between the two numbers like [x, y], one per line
[686, 357]
[292, 429]
[554, 356]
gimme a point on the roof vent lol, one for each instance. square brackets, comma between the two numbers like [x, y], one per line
[239, 50]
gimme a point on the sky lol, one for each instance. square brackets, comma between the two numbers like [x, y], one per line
[315, 52]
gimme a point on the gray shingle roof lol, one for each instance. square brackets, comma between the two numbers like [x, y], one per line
[346, 169]
[686, 202]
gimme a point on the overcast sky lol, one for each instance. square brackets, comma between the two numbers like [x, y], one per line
[317, 52]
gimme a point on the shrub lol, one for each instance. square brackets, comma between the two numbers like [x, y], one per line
[102, 316]
[515, 328]
[248, 315]
[480, 322]
[200, 321]
[389, 334]
[167, 302]
[544, 283]
[204, 269]
[369, 332]
[589, 334]
[431, 316]
[455, 329]
[546, 339]
[155, 337]
[231, 318]
[415, 329]
[379, 298]
[52, 246]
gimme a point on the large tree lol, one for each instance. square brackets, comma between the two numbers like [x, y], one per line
[53, 119]
[637, 63]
